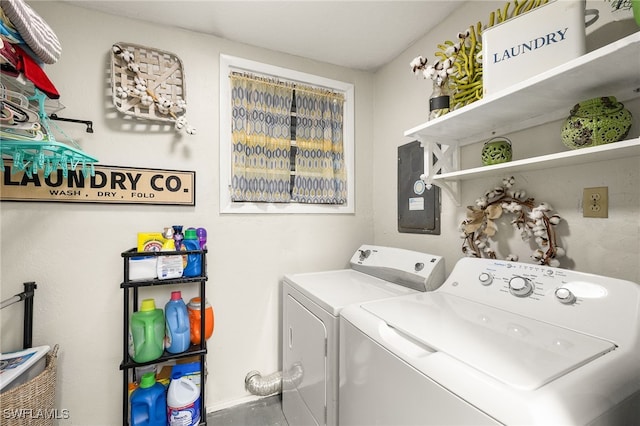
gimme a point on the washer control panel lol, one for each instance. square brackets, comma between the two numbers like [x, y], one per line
[535, 281]
[584, 302]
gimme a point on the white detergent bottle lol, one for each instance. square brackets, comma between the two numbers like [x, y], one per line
[169, 266]
[183, 402]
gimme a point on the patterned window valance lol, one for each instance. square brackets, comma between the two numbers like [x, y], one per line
[287, 142]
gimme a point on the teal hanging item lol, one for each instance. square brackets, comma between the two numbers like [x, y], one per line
[29, 139]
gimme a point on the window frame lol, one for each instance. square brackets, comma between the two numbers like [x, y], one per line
[232, 63]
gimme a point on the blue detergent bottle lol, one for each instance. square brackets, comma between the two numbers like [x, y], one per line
[194, 261]
[149, 403]
[178, 328]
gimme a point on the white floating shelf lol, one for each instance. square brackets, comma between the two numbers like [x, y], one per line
[612, 151]
[613, 70]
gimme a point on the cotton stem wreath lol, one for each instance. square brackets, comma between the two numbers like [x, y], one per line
[530, 220]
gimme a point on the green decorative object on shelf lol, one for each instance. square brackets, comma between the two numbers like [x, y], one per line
[596, 121]
[495, 151]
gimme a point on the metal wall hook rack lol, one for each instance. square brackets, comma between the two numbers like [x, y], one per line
[87, 123]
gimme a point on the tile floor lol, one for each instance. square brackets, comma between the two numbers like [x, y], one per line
[263, 412]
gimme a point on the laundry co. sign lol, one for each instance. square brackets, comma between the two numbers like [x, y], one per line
[109, 184]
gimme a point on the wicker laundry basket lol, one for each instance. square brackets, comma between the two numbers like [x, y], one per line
[32, 403]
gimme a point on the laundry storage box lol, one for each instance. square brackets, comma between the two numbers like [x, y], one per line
[143, 267]
[17, 368]
[531, 43]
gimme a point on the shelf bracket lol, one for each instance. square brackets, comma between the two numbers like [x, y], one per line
[441, 158]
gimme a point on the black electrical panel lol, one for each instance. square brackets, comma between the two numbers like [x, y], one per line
[418, 206]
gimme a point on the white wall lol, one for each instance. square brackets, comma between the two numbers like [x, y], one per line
[73, 250]
[602, 246]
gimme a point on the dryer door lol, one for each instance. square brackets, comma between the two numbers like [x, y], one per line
[304, 365]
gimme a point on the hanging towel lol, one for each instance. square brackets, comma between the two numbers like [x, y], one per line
[37, 34]
[14, 60]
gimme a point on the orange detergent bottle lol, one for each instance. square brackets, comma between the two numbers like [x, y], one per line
[195, 312]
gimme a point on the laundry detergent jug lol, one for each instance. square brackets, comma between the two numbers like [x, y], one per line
[146, 341]
[195, 313]
[193, 267]
[183, 403]
[177, 319]
[149, 403]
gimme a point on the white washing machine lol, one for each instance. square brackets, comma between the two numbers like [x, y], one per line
[311, 306]
[498, 343]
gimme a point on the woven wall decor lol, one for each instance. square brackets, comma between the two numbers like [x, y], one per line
[149, 83]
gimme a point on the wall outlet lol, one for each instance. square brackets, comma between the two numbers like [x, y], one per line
[595, 202]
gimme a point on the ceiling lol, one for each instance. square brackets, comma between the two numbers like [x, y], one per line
[361, 35]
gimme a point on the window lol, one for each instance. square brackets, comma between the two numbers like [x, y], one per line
[290, 153]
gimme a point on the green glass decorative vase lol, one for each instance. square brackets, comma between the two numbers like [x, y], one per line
[596, 121]
[496, 151]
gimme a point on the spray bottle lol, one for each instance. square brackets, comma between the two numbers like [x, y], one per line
[169, 266]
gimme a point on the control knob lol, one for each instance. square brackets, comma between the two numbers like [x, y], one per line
[485, 278]
[564, 295]
[520, 286]
[364, 254]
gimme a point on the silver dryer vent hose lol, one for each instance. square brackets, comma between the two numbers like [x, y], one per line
[263, 386]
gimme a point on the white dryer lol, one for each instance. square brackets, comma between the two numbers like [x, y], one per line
[498, 343]
[311, 306]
